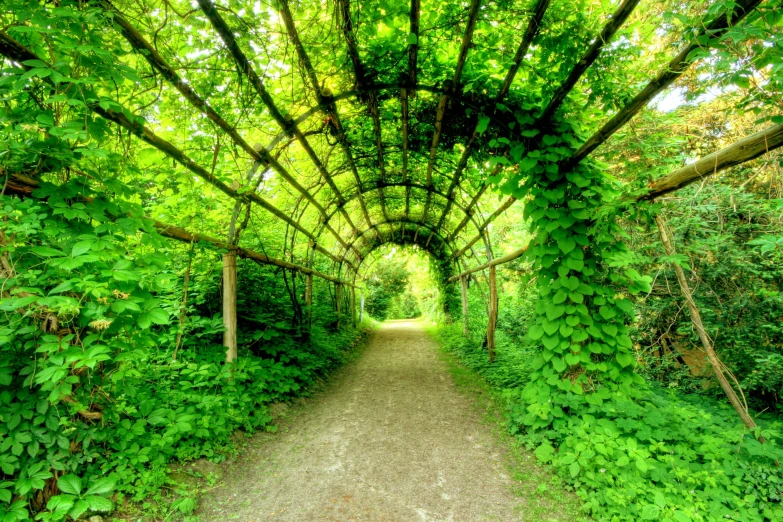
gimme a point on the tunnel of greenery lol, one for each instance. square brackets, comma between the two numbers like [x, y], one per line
[202, 201]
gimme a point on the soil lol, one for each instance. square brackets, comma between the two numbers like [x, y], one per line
[391, 438]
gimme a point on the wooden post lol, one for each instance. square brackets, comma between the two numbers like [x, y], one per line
[705, 340]
[361, 308]
[230, 305]
[353, 305]
[309, 299]
[338, 298]
[464, 282]
[492, 320]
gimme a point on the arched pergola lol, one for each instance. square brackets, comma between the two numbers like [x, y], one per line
[405, 153]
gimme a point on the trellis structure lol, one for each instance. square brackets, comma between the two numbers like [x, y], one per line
[406, 187]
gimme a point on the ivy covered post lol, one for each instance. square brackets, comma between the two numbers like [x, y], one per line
[712, 357]
[230, 305]
[492, 319]
[464, 286]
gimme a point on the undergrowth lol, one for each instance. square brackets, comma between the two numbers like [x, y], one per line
[664, 456]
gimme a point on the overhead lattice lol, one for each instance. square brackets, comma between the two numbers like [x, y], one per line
[375, 121]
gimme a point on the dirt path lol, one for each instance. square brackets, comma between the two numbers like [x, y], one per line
[391, 439]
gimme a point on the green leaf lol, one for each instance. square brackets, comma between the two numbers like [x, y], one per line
[45, 119]
[553, 312]
[81, 247]
[79, 508]
[566, 244]
[535, 333]
[483, 123]
[47, 252]
[102, 486]
[650, 512]
[624, 358]
[574, 469]
[411, 39]
[70, 484]
[544, 452]
[99, 503]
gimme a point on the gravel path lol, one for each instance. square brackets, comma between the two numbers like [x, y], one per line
[390, 439]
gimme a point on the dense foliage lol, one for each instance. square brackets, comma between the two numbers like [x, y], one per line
[99, 392]
[126, 113]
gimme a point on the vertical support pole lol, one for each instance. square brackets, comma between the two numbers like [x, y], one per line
[338, 299]
[353, 305]
[309, 299]
[464, 282]
[361, 308]
[699, 326]
[492, 320]
[230, 305]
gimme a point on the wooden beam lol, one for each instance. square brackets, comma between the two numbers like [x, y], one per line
[309, 299]
[673, 70]
[501, 209]
[230, 305]
[353, 305]
[413, 51]
[18, 53]
[495, 262]
[23, 186]
[618, 18]
[360, 74]
[244, 65]
[451, 85]
[324, 100]
[469, 209]
[492, 317]
[406, 221]
[744, 150]
[464, 288]
[533, 26]
[338, 304]
[698, 325]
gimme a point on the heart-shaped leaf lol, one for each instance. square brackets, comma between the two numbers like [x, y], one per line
[553, 312]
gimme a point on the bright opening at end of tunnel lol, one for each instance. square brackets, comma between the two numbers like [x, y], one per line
[401, 283]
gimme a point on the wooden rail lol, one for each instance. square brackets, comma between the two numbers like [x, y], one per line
[744, 150]
[20, 185]
[495, 262]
